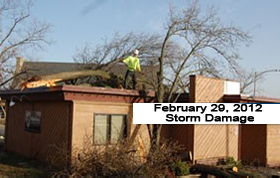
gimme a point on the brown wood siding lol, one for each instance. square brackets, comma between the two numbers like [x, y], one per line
[233, 140]
[206, 90]
[83, 117]
[212, 141]
[83, 121]
[253, 144]
[54, 128]
[215, 141]
[165, 131]
[104, 98]
[184, 134]
[273, 145]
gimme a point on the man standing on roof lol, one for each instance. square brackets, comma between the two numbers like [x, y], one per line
[133, 64]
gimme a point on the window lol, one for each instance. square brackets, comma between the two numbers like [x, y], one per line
[109, 128]
[33, 121]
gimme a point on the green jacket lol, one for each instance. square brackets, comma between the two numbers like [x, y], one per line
[132, 63]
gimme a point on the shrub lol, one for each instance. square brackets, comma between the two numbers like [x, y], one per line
[162, 158]
[230, 161]
[120, 159]
[180, 168]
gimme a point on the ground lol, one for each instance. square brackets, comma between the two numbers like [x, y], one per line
[2, 130]
[12, 165]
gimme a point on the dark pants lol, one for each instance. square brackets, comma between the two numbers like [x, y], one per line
[133, 76]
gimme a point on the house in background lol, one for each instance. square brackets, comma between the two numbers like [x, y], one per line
[28, 69]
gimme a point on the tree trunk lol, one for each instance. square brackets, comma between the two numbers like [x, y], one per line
[160, 92]
[155, 139]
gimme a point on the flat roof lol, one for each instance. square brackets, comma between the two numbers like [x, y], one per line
[78, 89]
[65, 92]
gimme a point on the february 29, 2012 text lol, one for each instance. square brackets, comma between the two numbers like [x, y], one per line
[208, 117]
[204, 113]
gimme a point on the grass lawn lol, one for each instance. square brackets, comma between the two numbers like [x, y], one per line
[12, 165]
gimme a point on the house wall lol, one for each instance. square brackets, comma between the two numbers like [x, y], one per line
[259, 144]
[184, 134]
[273, 145]
[221, 140]
[206, 90]
[215, 141]
[83, 121]
[253, 144]
[55, 117]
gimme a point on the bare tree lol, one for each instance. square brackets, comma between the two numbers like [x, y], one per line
[19, 32]
[204, 38]
[112, 50]
[195, 42]
[246, 79]
[118, 47]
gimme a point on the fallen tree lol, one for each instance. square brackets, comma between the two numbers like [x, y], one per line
[51, 80]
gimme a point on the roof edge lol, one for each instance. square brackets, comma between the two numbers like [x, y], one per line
[78, 89]
[238, 98]
[102, 90]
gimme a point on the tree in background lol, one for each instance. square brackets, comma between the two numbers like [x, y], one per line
[205, 39]
[108, 55]
[117, 48]
[18, 32]
[195, 42]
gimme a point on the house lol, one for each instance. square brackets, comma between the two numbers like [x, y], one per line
[40, 117]
[258, 144]
[208, 143]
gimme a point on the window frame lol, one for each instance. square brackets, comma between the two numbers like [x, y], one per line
[37, 115]
[109, 127]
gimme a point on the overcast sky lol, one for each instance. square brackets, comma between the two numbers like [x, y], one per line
[76, 22]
